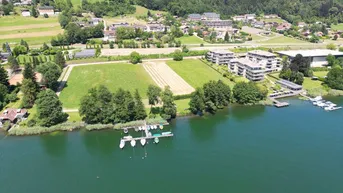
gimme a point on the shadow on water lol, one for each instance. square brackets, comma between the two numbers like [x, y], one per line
[242, 113]
[204, 128]
[101, 142]
[55, 144]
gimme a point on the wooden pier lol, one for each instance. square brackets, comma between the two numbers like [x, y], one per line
[278, 104]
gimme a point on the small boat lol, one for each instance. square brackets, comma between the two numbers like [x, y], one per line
[156, 140]
[161, 126]
[133, 143]
[122, 144]
[155, 126]
[143, 141]
[126, 130]
[166, 133]
[127, 137]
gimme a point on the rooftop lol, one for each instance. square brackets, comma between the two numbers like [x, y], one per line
[11, 114]
[290, 84]
[85, 53]
[246, 62]
[262, 53]
[311, 53]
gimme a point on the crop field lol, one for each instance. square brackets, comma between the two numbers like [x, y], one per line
[113, 76]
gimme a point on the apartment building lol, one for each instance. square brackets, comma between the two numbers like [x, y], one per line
[247, 68]
[220, 57]
[267, 60]
[217, 23]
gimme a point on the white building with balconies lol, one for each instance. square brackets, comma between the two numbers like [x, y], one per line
[220, 57]
[247, 68]
[267, 60]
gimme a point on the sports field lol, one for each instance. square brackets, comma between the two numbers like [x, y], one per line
[196, 73]
[35, 31]
[113, 76]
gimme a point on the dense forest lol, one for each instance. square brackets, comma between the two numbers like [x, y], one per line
[292, 10]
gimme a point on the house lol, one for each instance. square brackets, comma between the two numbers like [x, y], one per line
[271, 16]
[184, 29]
[88, 53]
[26, 2]
[220, 57]
[217, 23]
[239, 18]
[194, 17]
[319, 34]
[109, 35]
[94, 21]
[156, 27]
[13, 115]
[114, 26]
[25, 13]
[258, 24]
[4, 55]
[302, 24]
[249, 17]
[49, 10]
[210, 16]
[141, 27]
[284, 26]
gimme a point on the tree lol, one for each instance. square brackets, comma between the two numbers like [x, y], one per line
[28, 72]
[247, 93]
[34, 12]
[49, 109]
[135, 58]
[331, 46]
[45, 47]
[190, 31]
[12, 61]
[3, 94]
[25, 44]
[35, 61]
[197, 102]
[177, 55]
[3, 76]
[331, 60]
[153, 93]
[301, 64]
[168, 107]
[29, 90]
[121, 104]
[149, 13]
[18, 50]
[111, 44]
[51, 72]
[335, 37]
[334, 78]
[97, 51]
[59, 59]
[226, 37]
[140, 113]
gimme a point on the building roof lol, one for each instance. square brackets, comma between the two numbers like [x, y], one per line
[46, 7]
[289, 84]
[311, 53]
[246, 62]
[262, 53]
[11, 114]
[85, 53]
[194, 15]
[211, 14]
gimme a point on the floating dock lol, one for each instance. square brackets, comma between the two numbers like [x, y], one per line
[279, 104]
[148, 137]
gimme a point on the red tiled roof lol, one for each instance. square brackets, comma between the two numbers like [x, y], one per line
[11, 114]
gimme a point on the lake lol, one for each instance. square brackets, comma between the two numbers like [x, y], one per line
[256, 149]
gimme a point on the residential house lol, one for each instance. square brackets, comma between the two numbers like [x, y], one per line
[194, 17]
[217, 23]
[302, 24]
[258, 24]
[25, 13]
[249, 17]
[319, 34]
[49, 10]
[284, 26]
[94, 21]
[184, 29]
[156, 27]
[114, 26]
[13, 115]
[247, 68]
[141, 27]
[210, 16]
[239, 18]
[109, 35]
[271, 16]
[220, 57]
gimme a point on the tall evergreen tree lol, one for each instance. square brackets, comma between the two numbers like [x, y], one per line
[35, 61]
[59, 59]
[34, 12]
[12, 61]
[49, 109]
[3, 76]
[168, 107]
[140, 113]
[28, 72]
[226, 37]
[120, 104]
[29, 90]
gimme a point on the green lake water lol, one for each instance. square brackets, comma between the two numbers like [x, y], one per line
[298, 149]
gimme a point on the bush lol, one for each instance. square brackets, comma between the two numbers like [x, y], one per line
[46, 15]
[180, 97]
[135, 58]
[177, 56]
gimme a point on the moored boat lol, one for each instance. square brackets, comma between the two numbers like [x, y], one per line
[156, 140]
[122, 144]
[166, 133]
[133, 143]
[143, 141]
[161, 126]
[126, 130]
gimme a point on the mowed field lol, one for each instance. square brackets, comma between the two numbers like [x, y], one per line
[283, 40]
[113, 76]
[196, 73]
[35, 31]
[186, 39]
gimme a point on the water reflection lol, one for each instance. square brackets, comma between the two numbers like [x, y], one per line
[101, 142]
[242, 113]
[55, 144]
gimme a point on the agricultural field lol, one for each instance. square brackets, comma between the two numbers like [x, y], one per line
[113, 76]
[196, 73]
[283, 40]
[186, 39]
[35, 31]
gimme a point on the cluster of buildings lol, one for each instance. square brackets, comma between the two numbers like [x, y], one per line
[211, 20]
[42, 10]
[253, 66]
[149, 27]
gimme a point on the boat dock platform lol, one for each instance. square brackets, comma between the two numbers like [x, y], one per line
[148, 137]
[279, 104]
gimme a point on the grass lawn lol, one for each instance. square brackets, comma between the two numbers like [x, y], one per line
[337, 27]
[30, 41]
[182, 106]
[257, 37]
[320, 73]
[30, 30]
[74, 116]
[196, 73]
[278, 20]
[10, 21]
[186, 39]
[283, 39]
[114, 76]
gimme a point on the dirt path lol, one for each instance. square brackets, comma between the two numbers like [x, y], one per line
[164, 76]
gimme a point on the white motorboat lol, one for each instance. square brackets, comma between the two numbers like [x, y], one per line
[126, 130]
[161, 126]
[155, 126]
[143, 141]
[127, 137]
[122, 144]
[166, 133]
[156, 140]
[133, 143]
[318, 98]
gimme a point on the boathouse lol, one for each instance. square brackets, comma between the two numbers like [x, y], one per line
[289, 85]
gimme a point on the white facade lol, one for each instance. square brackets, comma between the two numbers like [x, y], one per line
[26, 13]
[220, 57]
[265, 59]
[247, 68]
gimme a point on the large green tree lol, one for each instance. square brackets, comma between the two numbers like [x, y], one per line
[153, 93]
[3, 76]
[168, 107]
[334, 78]
[13, 63]
[140, 113]
[247, 93]
[29, 90]
[49, 109]
[51, 72]
[59, 59]
[197, 102]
